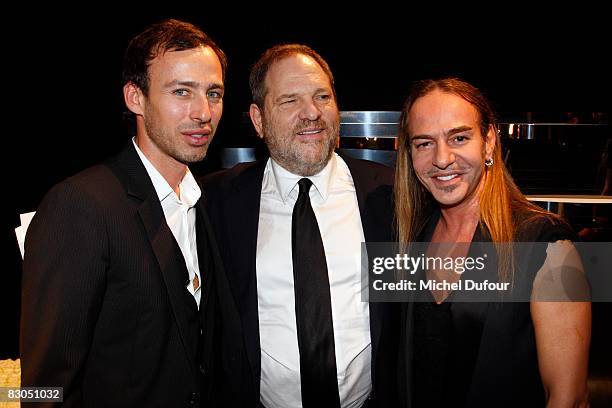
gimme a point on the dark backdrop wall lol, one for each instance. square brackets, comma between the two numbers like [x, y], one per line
[64, 90]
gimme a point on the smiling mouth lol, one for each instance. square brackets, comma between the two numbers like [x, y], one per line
[446, 178]
[308, 132]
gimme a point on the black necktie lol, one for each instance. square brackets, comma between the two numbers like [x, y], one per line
[313, 307]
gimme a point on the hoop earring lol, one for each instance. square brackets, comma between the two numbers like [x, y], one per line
[488, 162]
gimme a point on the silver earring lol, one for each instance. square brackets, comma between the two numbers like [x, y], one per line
[489, 162]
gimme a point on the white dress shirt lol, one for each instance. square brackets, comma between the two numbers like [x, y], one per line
[180, 217]
[335, 205]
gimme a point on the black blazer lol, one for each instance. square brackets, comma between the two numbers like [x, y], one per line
[493, 359]
[105, 310]
[232, 199]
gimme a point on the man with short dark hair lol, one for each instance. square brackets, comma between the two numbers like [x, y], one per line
[290, 230]
[121, 272]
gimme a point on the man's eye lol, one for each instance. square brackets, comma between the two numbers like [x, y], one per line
[324, 97]
[288, 102]
[181, 92]
[422, 145]
[215, 95]
[461, 138]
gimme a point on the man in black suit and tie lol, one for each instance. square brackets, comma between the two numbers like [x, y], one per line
[290, 230]
[121, 276]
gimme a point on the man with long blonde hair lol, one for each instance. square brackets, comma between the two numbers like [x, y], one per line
[452, 187]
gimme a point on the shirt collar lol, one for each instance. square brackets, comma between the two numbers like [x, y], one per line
[286, 182]
[190, 191]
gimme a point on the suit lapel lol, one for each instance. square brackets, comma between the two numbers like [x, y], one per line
[243, 215]
[167, 252]
[207, 262]
[364, 181]
[373, 188]
[170, 260]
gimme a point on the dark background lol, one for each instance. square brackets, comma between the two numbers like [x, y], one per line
[63, 87]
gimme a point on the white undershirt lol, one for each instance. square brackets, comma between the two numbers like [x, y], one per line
[180, 217]
[334, 202]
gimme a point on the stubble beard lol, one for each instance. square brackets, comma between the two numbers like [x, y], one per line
[167, 142]
[296, 156]
[470, 192]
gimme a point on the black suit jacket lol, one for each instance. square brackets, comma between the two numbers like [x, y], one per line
[232, 199]
[105, 310]
[493, 359]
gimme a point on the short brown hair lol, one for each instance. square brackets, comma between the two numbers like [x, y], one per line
[257, 78]
[163, 36]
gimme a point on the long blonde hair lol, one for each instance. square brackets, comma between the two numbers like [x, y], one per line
[501, 202]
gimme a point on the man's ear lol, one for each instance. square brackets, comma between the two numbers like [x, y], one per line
[134, 98]
[255, 114]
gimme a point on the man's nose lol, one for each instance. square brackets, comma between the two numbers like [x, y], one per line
[444, 156]
[310, 111]
[200, 110]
